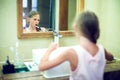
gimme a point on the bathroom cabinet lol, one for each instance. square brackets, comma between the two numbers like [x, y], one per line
[114, 75]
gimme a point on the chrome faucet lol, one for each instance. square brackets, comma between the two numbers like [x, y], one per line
[55, 33]
[56, 36]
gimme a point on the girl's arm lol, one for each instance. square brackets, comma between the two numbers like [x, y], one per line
[108, 56]
[45, 63]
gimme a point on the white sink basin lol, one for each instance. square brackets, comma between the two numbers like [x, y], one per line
[59, 71]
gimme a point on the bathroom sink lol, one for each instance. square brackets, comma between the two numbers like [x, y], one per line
[58, 71]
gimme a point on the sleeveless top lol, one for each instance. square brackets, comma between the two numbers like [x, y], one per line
[89, 67]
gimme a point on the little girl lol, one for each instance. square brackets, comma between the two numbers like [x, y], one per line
[87, 60]
[33, 22]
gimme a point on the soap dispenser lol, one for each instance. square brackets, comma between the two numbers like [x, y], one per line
[8, 67]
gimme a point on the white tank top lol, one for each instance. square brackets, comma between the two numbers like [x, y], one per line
[89, 68]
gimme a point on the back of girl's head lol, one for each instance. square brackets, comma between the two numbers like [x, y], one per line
[32, 13]
[88, 25]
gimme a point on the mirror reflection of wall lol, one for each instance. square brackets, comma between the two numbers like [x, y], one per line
[43, 8]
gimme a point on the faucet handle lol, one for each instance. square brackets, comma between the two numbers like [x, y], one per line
[57, 34]
[60, 36]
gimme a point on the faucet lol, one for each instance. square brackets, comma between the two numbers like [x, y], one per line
[56, 36]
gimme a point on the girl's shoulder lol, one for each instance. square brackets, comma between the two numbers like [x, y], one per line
[26, 30]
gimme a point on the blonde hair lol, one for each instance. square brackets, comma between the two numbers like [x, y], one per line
[32, 13]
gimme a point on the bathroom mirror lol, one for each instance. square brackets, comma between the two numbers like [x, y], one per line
[44, 8]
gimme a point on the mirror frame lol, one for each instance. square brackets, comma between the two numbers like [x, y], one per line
[22, 35]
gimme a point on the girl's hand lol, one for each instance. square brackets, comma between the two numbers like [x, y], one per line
[53, 46]
[43, 29]
[109, 56]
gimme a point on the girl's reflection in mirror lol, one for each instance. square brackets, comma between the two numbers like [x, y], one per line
[33, 22]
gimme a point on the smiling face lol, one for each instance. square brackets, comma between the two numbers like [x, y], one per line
[34, 21]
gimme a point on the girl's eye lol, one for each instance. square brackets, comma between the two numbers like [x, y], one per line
[35, 19]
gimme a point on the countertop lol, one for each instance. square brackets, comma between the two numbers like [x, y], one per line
[36, 75]
[112, 66]
[33, 75]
